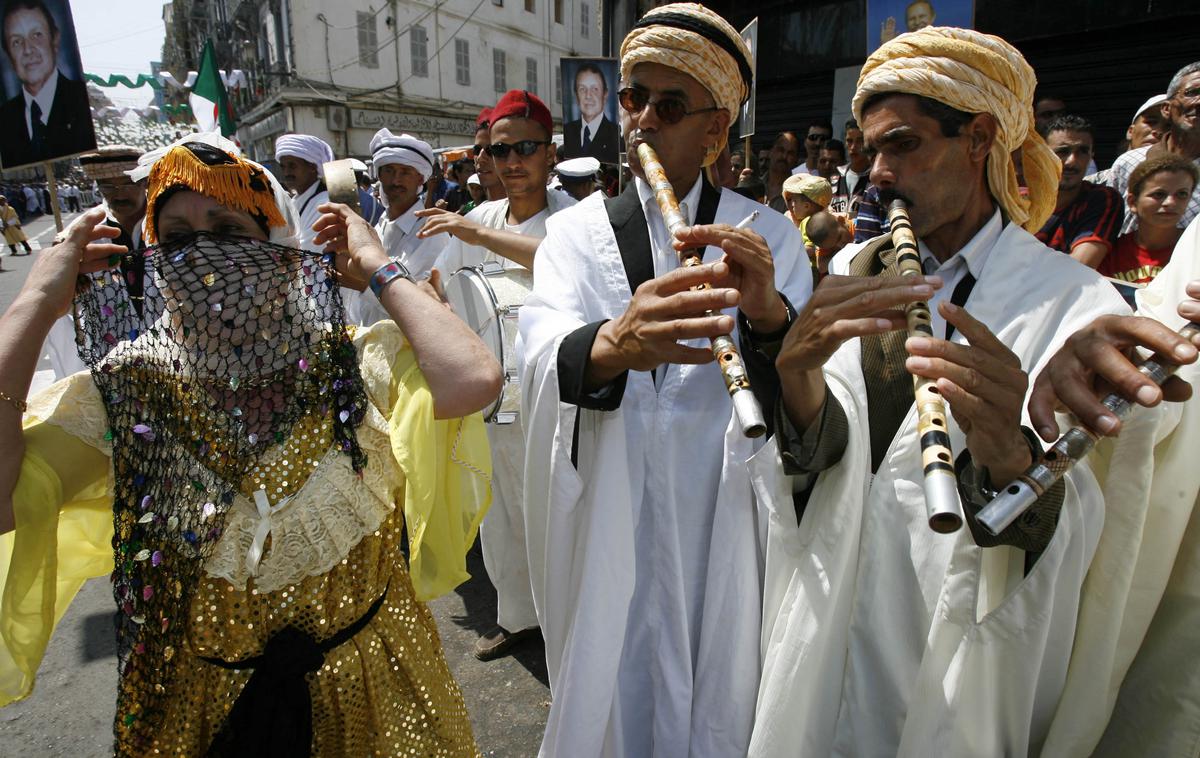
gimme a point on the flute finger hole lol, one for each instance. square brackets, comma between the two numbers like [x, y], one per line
[1013, 489]
[938, 422]
[943, 457]
[1050, 455]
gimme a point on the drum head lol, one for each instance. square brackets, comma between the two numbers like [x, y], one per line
[471, 299]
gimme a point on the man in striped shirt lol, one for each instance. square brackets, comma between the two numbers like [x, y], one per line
[1087, 216]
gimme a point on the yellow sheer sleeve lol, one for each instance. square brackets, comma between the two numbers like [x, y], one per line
[63, 536]
[447, 466]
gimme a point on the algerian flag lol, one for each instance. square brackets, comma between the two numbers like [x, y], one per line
[210, 104]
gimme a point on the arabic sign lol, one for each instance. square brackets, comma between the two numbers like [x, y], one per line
[410, 122]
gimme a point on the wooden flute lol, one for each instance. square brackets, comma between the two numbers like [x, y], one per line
[941, 486]
[737, 382]
[1070, 448]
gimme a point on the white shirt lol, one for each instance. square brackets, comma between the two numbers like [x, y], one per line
[972, 257]
[592, 126]
[400, 240]
[804, 169]
[666, 258]
[44, 99]
[306, 204]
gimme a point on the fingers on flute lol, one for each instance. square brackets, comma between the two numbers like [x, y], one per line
[688, 328]
[686, 277]
[691, 355]
[858, 302]
[1043, 402]
[694, 302]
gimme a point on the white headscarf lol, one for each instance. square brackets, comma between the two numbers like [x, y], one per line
[305, 147]
[403, 149]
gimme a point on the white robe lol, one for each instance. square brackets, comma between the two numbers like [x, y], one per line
[400, 240]
[881, 637]
[1135, 656]
[646, 561]
[502, 533]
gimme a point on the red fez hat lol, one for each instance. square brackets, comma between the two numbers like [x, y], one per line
[484, 119]
[521, 104]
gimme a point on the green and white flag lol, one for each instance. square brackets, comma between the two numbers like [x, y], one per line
[210, 103]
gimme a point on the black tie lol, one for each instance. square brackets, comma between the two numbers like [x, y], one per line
[38, 137]
[587, 137]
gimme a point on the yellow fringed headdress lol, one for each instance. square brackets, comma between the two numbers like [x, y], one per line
[974, 73]
[239, 184]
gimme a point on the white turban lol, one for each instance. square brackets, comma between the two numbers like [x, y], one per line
[305, 147]
[404, 149]
[974, 73]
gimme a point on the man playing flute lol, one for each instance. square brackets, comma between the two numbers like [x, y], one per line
[880, 636]
[641, 523]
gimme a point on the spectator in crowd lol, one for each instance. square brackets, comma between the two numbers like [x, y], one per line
[829, 233]
[1086, 216]
[751, 186]
[784, 154]
[1182, 138]
[32, 206]
[857, 172]
[737, 160]
[577, 176]
[1047, 107]
[459, 196]
[372, 209]
[819, 132]
[1146, 128]
[832, 156]
[477, 194]
[762, 163]
[806, 194]
[302, 158]
[871, 219]
[1159, 189]
[10, 226]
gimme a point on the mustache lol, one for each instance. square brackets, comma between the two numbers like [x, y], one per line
[886, 196]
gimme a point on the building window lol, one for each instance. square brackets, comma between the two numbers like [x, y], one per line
[500, 70]
[462, 62]
[368, 41]
[531, 75]
[585, 20]
[529, 5]
[558, 11]
[420, 51]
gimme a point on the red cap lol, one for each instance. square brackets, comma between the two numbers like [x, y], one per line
[521, 104]
[484, 119]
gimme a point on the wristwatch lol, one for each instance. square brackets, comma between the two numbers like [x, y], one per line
[387, 273]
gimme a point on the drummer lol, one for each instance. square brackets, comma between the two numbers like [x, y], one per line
[577, 177]
[507, 232]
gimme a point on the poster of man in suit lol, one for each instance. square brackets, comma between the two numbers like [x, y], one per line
[590, 109]
[45, 113]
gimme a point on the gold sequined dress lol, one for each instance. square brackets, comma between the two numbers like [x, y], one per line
[331, 548]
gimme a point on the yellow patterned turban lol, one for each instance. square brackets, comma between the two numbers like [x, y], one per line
[698, 42]
[975, 73]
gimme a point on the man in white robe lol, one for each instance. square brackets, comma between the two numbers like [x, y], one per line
[403, 164]
[643, 533]
[881, 636]
[1133, 667]
[302, 160]
[124, 208]
[506, 232]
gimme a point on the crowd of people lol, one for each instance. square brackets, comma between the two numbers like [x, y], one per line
[279, 441]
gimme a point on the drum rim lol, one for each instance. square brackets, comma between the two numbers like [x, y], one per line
[478, 277]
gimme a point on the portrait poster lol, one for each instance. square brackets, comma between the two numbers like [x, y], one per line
[590, 121]
[746, 117]
[889, 18]
[44, 114]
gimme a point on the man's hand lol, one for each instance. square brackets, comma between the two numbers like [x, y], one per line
[1098, 359]
[662, 312]
[841, 308]
[441, 221]
[985, 386]
[751, 270]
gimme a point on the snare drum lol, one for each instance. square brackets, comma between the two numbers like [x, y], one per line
[488, 298]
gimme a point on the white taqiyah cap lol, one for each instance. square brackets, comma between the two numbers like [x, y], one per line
[1156, 100]
[578, 168]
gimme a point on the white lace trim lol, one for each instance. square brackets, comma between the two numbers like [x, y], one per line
[74, 405]
[318, 526]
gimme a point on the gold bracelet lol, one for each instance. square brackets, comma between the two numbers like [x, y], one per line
[20, 405]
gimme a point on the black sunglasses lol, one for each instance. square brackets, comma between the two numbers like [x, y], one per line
[479, 149]
[524, 148]
[670, 110]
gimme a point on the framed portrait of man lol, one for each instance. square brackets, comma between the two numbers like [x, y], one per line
[887, 19]
[590, 109]
[44, 114]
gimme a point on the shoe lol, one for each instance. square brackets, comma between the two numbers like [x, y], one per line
[499, 642]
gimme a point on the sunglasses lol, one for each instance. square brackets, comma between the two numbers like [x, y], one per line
[524, 148]
[670, 110]
[479, 149]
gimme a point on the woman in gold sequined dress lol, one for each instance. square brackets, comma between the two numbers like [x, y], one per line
[244, 466]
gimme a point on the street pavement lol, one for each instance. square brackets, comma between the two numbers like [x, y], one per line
[70, 711]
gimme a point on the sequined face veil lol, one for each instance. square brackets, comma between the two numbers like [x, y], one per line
[238, 341]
